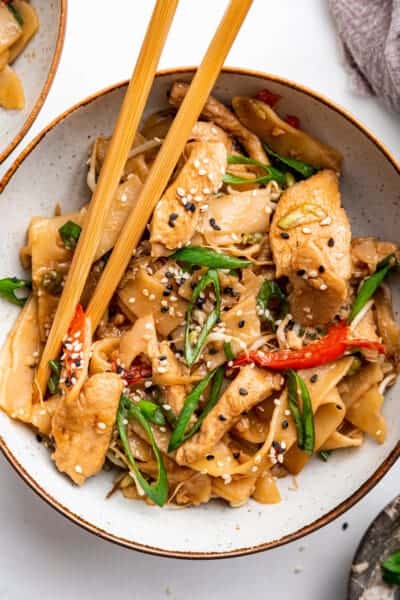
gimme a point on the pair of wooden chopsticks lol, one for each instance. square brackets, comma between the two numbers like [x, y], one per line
[121, 142]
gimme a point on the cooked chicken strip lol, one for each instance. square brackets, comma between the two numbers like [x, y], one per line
[310, 240]
[82, 426]
[176, 215]
[218, 113]
[250, 387]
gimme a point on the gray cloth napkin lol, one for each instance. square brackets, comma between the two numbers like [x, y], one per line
[369, 31]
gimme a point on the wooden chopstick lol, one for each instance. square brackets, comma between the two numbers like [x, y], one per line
[168, 156]
[121, 142]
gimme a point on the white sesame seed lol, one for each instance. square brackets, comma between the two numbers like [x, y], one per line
[286, 412]
[145, 292]
[206, 191]
[313, 273]
[166, 407]
[204, 208]
[220, 463]
[306, 230]
[101, 425]
[152, 297]
[78, 469]
[193, 190]
[131, 300]
[326, 221]
[323, 287]
[202, 172]
[277, 402]
[124, 197]
[254, 469]
[181, 192]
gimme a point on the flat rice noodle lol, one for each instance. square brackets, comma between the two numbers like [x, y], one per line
[17, 359]
[341, 439]
[11, 89]
[369, 251]
[237, 492]
[29, 27]
[222, 462]
[173, 395]
[255, 425]
[365, 413]
[266, 490]
[10, 29]
[354, 386]
[387, 326]
[103, 352]
[194, 491]
[140, 339]
[135, 304]
[326, 421]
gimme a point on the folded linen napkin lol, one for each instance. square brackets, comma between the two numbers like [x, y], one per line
[369, 31]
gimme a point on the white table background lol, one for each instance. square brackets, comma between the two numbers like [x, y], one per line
[44, 556]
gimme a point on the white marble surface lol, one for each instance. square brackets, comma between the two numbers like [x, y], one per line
[43, 555]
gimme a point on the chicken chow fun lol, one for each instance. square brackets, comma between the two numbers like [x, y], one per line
[250, 332]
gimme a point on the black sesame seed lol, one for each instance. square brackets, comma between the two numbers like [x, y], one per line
[314, 378]
[321, 269]
[221, 417]
[193, 285]
[241, 323]
[345, 526]
[166, 293]
[200, 302]
[301, 272]
[285, 235]
[214, 224]
[39, 438]
[243, 392]
[169, 286]
[210, 457]
[120, 370]
[276, 446]
[213, 351]
[338, 407]
[331, 242]
[172, 219]
[291, 324]
[236, 455]
[162, 357]
[228, 291]
[164, 309]
[190, 207]
[169, 275]
[285, 424]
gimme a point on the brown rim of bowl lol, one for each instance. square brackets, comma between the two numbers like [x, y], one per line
[325, 519]
[46, 88]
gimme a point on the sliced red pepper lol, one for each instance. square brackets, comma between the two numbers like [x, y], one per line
[268, 97]
[328, 349]
[293, 121]
[78, 322]
[137, 372]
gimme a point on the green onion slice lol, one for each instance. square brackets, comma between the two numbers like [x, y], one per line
[271, 172]
[391, 568]
[151, 412]
[70, 233]
[303, 417]
[54, 379]
[9, 285]
[205, 257]
[15, 12]
[371, 284]
[157, 491]
[300, 167]
[324, 455]
[192, 352]
[228, 351]
[179, 436]
[271, 298]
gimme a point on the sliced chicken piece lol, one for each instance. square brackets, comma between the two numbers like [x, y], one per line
[82, 427]
[176, 215]
[238, 217]
[251, 386]
[219, 114]
[310, 241]
[204, 131]
[173, 395]
[282, 137]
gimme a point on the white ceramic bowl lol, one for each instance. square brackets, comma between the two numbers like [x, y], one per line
[36, 66]
[370, 188]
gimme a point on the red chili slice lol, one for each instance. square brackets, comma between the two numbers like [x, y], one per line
[268, 97]
[293, 121]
